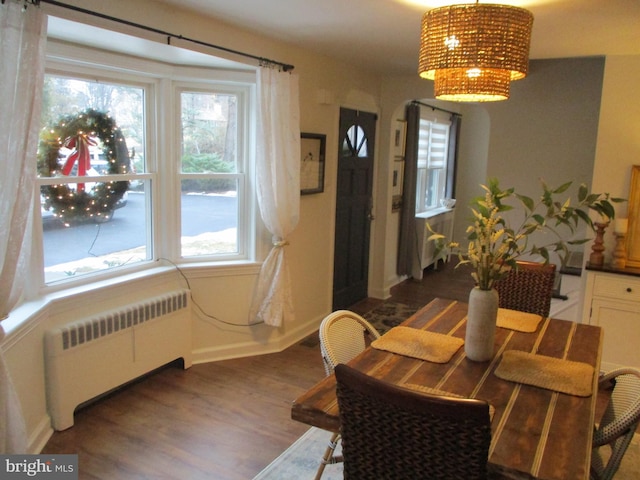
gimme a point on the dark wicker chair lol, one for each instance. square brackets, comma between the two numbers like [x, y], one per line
[395, 433]
[528, 288]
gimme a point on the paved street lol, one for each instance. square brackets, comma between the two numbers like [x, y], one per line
[126, 230]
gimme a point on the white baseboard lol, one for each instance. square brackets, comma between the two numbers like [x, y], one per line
[246, 349]
[40, 436]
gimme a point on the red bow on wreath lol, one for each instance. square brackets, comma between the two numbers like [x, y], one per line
[82, 154]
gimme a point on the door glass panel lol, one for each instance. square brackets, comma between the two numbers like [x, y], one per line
[355, 142]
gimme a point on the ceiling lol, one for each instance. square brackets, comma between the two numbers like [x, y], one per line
[383, 34]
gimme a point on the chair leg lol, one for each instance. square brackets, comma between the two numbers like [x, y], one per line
[328, 457]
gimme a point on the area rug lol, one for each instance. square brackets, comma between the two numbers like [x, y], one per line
[390, 314]
[300, 461]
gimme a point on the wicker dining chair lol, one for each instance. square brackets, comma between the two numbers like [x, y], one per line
[528, 288]
[395, 433]
[619, 421]
[343, 335]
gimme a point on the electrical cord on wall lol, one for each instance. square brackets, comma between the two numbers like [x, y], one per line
[200, 309]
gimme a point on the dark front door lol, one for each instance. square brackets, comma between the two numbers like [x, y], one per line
[354, 205]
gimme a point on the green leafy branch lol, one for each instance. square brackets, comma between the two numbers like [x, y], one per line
[494, 246]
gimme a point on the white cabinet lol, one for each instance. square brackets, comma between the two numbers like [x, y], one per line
[441, 221]
[612, 301]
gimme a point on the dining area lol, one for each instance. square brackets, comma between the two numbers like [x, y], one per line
[535, 398]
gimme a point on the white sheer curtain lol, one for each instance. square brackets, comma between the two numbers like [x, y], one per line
[22, 48]
[278, 185]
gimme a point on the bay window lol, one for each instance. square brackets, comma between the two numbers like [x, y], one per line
[141, 163]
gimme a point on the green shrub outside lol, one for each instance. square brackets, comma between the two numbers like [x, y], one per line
[207, 163]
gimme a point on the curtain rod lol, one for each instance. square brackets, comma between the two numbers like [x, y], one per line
[435, 108]
[262, 61]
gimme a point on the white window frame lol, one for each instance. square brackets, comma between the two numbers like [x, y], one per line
[160, 81]
[243, 163]
[433, 151]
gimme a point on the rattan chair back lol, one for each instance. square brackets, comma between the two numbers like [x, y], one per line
[391, 432]
[528, 288]
[619, 422]
[342, 337]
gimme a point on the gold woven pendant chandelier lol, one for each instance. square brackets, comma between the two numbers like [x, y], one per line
[473, 51]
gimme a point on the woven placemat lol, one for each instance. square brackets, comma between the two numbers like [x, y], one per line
[566, 376]
[520, 321]
[411, 342]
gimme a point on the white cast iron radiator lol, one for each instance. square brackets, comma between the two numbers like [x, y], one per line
[89, 357]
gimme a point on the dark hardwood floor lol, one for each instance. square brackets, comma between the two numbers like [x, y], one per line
[225, 420]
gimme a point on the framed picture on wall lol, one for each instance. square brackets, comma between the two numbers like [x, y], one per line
[399, 136]
[397, 183]
[312, 152]
[398, 176]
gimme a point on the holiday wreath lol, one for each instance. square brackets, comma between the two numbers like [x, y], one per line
[78, 133]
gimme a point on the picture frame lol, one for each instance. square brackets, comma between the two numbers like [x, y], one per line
[633, 231]
[399, 138]
[398, 176]
[312, 160]
[396, 203]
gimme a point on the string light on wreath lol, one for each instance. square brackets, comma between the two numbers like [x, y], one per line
[79, 133]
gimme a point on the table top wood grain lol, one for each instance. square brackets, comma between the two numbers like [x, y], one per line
[536, 433]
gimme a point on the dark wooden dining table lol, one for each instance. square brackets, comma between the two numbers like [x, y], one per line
[536, 433]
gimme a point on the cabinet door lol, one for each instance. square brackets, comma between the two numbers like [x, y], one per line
[620, 322]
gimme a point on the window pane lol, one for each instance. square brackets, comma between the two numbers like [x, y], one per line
[209, 133]
[209, 216]
[210, 168]
[355, 142]
[433, 139]
[80, 248]
[67, 97]
[92, 129]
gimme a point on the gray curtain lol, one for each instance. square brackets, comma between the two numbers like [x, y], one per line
[452, 164]
[406, 241]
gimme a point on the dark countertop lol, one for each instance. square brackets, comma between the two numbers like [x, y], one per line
[633, 271]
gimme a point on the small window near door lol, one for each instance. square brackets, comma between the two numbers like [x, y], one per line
[433, 145]
[355, 142]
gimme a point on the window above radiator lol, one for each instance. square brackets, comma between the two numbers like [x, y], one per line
[188, 173]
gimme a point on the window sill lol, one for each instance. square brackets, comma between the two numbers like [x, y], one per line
[28, 314]
[433, 212]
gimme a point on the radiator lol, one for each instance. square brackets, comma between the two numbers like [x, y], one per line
[441, 221]
[87, 358]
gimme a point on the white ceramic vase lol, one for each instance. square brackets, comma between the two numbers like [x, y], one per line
[481, 324]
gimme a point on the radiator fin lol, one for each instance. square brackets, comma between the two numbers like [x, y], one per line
[84, 331]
